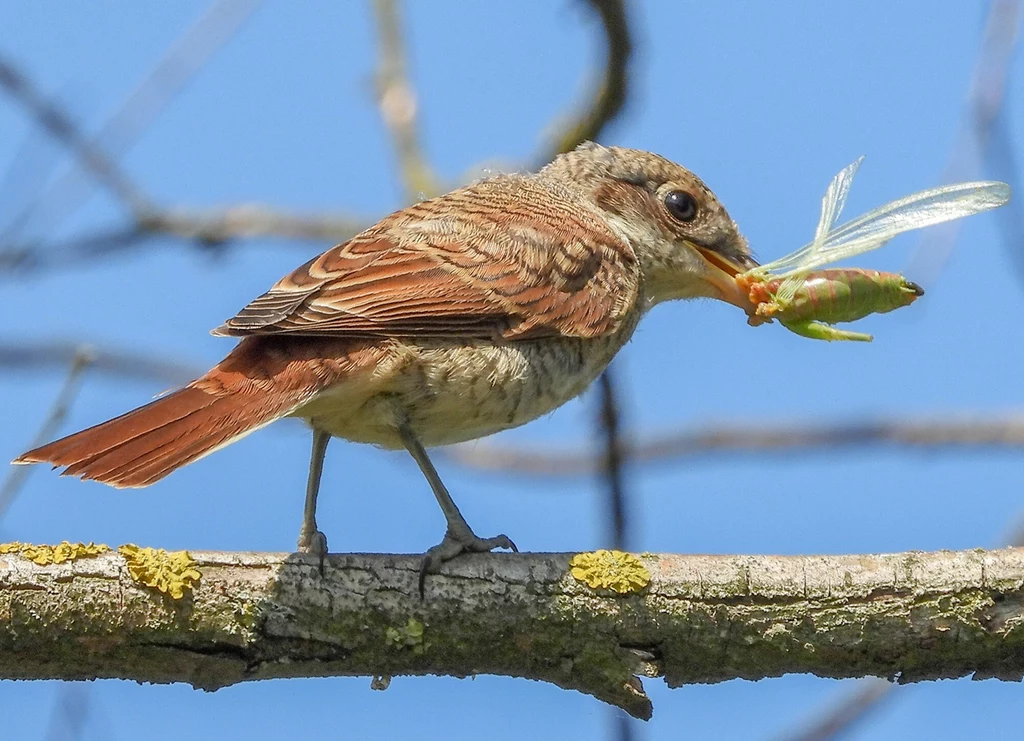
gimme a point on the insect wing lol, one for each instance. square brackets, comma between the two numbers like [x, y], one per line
[876, 227]
[832, 204]
[916, 211]
[835, 198]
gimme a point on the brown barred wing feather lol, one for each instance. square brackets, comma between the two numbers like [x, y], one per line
[476, 263]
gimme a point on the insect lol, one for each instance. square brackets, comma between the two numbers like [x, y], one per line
[808, 300]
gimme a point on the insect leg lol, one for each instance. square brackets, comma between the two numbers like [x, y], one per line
[820, 331]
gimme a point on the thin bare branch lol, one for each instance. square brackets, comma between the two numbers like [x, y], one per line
[849, 711]
[398, 105]
[250, 221]
[55, 120]
[613, 463]
[120, 363]
[943, 431]
[981, 134]
[70, 712]
[610, 95]
[187, 56]
[214, 227]
[98, 155]
[211, 228]
[17, 475]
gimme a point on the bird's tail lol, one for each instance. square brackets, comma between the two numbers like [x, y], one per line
[142, 446]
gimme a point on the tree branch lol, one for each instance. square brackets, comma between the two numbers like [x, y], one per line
[182, 60]
[56, 122]
[119, 363]
[984, 142]
[208, 228]
[907, 617]
[398, 106]
[610, 94]
[214, 227]
[17, 475]
[942, 431]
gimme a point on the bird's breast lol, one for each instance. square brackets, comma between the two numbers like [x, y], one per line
[451, 392]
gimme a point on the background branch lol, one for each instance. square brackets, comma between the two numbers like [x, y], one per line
[398, 106]
[118, 363]
[57, 122]
[942, 431]
[984, 143]
[610, 95]
[16, 475]
[180, 63]
[843, 715]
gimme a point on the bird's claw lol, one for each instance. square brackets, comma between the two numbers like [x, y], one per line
[313, 542]
[455, 545]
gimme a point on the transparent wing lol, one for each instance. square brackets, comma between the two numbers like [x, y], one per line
[835, 198]
[831, 206]
[788, 287]
[876, 227]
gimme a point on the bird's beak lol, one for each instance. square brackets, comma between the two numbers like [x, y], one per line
[721, 276]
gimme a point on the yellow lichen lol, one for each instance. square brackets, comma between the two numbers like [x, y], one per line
[409, 636]
[172, 572]
[44, 555]
[621, 572]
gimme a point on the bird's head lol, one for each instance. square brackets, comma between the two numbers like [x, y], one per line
[687, 244]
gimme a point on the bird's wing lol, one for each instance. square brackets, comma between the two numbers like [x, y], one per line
[481, 262]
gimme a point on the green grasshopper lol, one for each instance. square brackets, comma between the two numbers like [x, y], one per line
[808, 301]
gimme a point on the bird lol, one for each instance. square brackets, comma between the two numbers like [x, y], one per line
[451, 319]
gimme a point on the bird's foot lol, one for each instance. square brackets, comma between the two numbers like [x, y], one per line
[313, 542]
[456, 543]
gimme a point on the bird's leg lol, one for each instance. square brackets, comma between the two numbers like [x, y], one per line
[311, 540]
[459, 537]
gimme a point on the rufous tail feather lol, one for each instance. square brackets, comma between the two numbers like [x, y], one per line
[144, 445]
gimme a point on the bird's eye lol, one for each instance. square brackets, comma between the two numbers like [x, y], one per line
[681, 205]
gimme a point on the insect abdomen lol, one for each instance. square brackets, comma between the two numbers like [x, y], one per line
[846, 295]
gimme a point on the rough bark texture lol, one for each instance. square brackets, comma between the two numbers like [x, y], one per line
[907, 616]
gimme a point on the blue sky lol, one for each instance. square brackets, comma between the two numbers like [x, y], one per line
[765, 101]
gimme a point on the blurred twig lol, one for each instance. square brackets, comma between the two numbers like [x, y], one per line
[70, 712]
[209, 228]
[98, 156]
[982, 137]
[397, 101]
[189, 54]
[125, 364]
[55, 121]
[16, 475]
[994, 144]
[610, 94]
[976, 432]
[613, 461]
[850, 710]
[215, 226]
